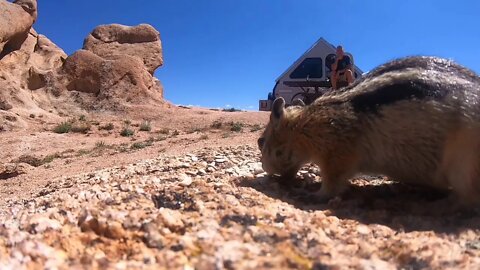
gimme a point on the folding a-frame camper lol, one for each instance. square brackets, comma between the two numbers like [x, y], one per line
[306, 77]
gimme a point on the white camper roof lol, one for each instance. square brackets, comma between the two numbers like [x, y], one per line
[321, 45]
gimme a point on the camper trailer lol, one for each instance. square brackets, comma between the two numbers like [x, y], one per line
[308, 77]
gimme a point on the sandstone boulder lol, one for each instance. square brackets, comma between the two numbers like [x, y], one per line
[32, 66]
[16, 19]
[120, 78]
[44, 61]
[142, 41]
[29, 6]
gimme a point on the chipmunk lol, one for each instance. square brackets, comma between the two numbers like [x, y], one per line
[415, 120]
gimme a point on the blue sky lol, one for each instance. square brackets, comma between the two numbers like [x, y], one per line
[226, 52]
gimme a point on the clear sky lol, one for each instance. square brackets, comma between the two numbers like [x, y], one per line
[229, 52]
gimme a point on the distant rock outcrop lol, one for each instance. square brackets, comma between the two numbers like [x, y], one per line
[121, 77]
[114, 69]
[142, 41]
[116, 65]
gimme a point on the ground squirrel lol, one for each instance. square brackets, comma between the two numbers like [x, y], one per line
[415, 120]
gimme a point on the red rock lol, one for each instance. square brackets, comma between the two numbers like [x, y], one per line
[141, 41]
[15, 23]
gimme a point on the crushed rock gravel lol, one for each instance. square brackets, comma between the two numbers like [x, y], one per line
[216, 209]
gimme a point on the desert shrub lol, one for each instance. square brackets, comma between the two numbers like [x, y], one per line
[126, 132]
[80, 127]
[231, 110]
[63, 127]
[141, 145]
[236, 126]
[217, 125]
[145, 126]
[204, 137]
[82, 117]
[138, 145]
[108, 126]
[50, 158]
[101, 144]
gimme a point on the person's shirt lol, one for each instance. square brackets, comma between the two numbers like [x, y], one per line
[343, 63]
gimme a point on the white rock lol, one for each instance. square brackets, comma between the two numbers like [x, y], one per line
[257, 168]
[170, 218]
[40, 223]
[185, 180]
[363, 229]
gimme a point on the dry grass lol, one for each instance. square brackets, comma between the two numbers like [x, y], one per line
[236, 126]
[145, 126]
[72, 126]
[63, 127]
[108, 126]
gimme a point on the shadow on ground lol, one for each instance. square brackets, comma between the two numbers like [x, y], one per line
[398, 206]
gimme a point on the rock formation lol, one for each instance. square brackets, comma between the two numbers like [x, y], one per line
[116, 65]
[142, 41]
[120, 78]
[114, 69]
[16, 19]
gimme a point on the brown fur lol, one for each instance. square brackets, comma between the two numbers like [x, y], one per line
[416, 120]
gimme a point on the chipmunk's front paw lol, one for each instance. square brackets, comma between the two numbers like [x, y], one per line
[327, 192]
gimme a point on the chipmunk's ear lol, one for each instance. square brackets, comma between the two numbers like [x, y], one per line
[298, 102]
[278, 108]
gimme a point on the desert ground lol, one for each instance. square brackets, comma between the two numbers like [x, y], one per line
[45, 154]
[99, 171]
[190, 193]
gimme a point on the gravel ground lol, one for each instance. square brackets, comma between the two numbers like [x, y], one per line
[215, 209]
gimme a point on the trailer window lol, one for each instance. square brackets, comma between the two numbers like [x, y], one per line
[310, 67]
[329, 60]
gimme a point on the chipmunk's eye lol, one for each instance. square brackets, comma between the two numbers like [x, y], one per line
[261, 142]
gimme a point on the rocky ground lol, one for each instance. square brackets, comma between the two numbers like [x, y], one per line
[98, 171]
[212, 207]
